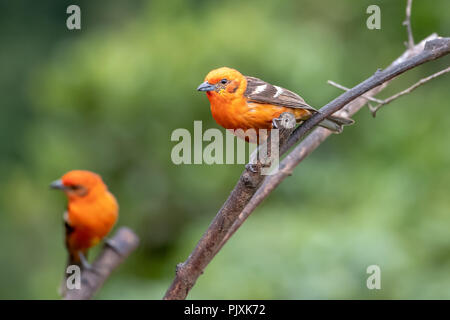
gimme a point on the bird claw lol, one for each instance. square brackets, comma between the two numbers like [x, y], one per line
[275, 123]
[286, 120]
[251, 167]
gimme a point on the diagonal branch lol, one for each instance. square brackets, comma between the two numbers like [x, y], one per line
[433, 49]
[125, 241]
[365, 96]
[384, 102]
[243, 199]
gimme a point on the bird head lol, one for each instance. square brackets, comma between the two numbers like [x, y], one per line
[224, 83]
[79, 184]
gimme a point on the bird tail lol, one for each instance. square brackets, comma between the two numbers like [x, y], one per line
[336, 123]
[73, 259]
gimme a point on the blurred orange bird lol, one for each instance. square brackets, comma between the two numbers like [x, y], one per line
[91, 212]
[243, 102]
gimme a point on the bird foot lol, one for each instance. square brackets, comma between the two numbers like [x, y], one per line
[84, 262]
[251, 167]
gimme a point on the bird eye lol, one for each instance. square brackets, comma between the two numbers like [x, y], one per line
[223, 81]
[78, 189]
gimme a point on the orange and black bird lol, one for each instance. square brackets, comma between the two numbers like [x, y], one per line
[91, 212]
[243, 102]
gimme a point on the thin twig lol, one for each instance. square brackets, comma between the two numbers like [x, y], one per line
[407, 23]
[406, 91]
[365, 96]
[189, 271]
[92, 279]
[433, 49]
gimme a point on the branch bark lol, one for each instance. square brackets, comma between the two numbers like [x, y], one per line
[243, 199]
[422, 81]
[125, 241]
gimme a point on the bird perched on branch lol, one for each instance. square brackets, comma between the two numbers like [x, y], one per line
[91, 213]
[243, 102]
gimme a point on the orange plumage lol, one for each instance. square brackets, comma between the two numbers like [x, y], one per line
[243, 102]
[91, 212]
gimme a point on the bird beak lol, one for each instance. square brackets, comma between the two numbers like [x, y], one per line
[58, 184]
[205, 86]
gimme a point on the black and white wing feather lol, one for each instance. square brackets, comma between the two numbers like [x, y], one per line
[262, 92]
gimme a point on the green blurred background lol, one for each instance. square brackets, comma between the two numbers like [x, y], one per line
[108, 97]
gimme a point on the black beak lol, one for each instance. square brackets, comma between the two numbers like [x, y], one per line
[205, 86]
[58, 184]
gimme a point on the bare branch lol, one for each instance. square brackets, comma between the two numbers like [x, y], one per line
[406, 91]
[311, 142]
[407, 23]
[384, 102]
[433, 49]
[125, 241]
[365, 96]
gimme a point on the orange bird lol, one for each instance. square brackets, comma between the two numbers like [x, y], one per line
[243, 102]
[91, 212]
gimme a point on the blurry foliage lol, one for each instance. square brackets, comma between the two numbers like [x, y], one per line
[107, 98]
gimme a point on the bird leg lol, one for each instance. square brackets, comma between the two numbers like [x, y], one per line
[84, 262]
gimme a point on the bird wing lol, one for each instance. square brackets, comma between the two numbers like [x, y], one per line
[68, 228]
[260, 91]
